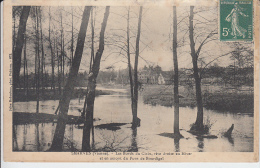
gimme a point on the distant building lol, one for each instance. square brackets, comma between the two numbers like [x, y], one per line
[148, 77]
[165, 78]
[152, 77]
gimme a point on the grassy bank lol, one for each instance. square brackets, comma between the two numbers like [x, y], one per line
[163, 95]
[232, 102]
[214, 97]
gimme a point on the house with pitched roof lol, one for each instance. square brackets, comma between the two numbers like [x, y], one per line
[165, 78]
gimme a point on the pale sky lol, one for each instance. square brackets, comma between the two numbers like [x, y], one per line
[156, 36]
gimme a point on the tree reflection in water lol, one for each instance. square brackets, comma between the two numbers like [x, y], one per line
[177, 144]
[133, 147]
[37, 139]
[15, 144]
[200, 144]
[231, 140]
[24, 136]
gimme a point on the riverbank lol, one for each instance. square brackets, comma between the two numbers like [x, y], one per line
[48, 94]
[235, 100]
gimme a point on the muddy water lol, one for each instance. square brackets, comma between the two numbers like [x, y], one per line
[154, 120]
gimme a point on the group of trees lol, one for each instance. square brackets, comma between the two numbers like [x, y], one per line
[200, 33]
[49, 44]
[59, 54]
[74, 68]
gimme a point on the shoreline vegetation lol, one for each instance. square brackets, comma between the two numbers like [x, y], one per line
[223, 99]
[48, 94]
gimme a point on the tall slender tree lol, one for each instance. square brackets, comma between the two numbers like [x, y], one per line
[42, 54]
[72, 36]
[92, 56]
[58, 64]
[136, 120]
[37, 58]
[14, 27]
[52, 54]
[91, 62]
[57, 142]
[19, 46]
[61, 49]
[176, 76]
[129, 59]
[88, 123]
[25, 69]
[195, 53]
[92, 39]
[199, 120]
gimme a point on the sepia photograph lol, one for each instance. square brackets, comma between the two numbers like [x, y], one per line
[133, 80]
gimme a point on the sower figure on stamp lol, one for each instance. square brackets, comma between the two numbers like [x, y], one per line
[233, 17]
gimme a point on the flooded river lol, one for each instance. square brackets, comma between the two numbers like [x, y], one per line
[154, 121]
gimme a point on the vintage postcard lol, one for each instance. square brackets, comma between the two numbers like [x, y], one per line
[131, 81]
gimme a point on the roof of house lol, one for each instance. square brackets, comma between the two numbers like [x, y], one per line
[167, 74]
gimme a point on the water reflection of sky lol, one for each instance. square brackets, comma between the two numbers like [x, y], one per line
[154, 120]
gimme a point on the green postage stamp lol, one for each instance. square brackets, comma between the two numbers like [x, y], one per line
[236, 20]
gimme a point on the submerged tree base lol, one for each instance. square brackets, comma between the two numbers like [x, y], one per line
[196, 130]
[136, 123]
[229, 131]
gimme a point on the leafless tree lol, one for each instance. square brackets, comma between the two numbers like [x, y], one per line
[176, 76]
[57, 142]
[136, 120]
[88, 123]
[19, 46]
[195, 53]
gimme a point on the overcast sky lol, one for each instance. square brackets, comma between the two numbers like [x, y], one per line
[156, 35]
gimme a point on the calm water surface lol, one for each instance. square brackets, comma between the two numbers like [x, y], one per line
[154, 120]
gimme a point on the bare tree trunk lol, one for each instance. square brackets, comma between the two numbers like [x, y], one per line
[57, 142]
[27, 79]
[91, 59]
[86, 98]
[37, 61]
[63, 63]
[42, 59]
[88, 123]
[72, 36]
[91, 62]
[92, 40]
[14, 33]
[58, 58]
[19, 46]
[62, 52]
[136, 120]
[134, 147]
[129, 60]
[52, 55]
[234, 81]
[36, 51]
[176, 77]
[24, 66]
[194, 55]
